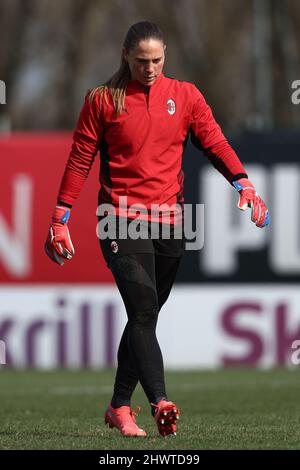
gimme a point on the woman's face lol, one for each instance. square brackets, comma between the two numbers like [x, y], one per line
[146, 61]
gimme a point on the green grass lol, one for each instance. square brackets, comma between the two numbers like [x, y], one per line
[224, 409]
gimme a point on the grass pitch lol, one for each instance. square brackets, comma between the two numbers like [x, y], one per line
[223, 409]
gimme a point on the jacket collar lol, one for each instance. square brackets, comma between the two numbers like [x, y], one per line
[135, 85]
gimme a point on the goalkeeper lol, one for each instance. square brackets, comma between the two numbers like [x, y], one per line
[139, 121]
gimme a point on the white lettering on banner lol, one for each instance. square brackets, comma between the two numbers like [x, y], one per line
[227, 229]
[15, 242]
[285, 246]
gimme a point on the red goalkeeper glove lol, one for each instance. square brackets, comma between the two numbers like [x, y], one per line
[58, 245]
[249, 198]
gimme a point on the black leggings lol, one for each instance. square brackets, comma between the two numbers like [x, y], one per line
[144, 281]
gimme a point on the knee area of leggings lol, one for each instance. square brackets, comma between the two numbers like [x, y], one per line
[145, 317]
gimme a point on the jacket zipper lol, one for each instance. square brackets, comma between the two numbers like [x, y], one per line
[147, 100]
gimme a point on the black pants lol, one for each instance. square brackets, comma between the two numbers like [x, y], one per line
[144, 280]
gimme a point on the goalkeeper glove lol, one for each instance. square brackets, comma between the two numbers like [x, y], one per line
[249, 198]
[58, 245]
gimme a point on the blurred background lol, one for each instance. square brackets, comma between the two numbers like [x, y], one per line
[235, 302]
[244, 55]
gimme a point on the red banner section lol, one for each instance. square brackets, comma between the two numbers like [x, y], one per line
[31, 169]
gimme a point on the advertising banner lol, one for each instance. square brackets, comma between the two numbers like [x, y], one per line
[199, 327]
[235, 301]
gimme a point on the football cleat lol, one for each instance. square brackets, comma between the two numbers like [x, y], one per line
[166, 415]
[123, 418]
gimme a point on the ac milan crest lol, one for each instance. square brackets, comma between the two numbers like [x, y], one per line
[114, 247]
[171, 106]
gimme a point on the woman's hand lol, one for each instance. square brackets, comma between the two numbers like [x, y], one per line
[249, 198]
[59, 245]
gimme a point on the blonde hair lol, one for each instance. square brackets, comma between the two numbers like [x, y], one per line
[117, 84]
[116, 87]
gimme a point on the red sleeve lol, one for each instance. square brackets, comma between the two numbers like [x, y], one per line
[206, 134]
[86, 140]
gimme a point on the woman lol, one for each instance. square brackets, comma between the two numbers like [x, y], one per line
[140, 121]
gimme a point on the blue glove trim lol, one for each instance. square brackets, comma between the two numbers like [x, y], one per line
[65, 217]
[237, 185]
[267, 220]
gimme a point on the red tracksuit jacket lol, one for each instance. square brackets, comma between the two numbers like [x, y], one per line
[141, 150]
